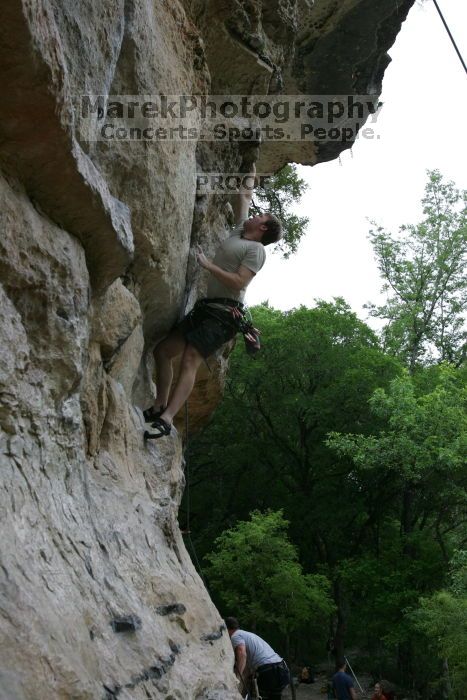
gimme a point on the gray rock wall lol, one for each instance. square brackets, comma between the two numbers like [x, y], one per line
[95, 266]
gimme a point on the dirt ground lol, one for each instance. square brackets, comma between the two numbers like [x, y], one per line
[314, 691]
[317, 690]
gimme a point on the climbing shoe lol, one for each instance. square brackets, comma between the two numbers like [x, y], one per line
[150, 414]
[161, 430]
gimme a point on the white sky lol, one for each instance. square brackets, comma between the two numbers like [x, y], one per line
[423, 125]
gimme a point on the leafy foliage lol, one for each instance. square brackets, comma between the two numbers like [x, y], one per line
[442, 618]
[421, 448]
[424, 438]
[266, 449]
[424, 272]
[285, 188]
[315, 373]
[255, 570]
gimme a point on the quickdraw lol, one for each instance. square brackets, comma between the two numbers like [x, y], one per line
[241, 322]
[249, 332]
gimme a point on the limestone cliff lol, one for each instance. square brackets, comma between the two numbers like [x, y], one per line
[94, 267]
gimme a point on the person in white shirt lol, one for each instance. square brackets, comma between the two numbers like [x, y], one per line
[254, 657]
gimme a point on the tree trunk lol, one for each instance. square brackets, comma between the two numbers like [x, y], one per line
[446, 688]
[405, 649]
[287, 658]
[404, 662]
[339, 634]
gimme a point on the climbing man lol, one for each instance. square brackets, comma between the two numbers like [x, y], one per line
[216, 318]
[254, 658]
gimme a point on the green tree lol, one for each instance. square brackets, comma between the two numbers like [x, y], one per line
[316, 371]
[421, 450]
[442, 619]
[255, 571]
[283, 190]
[423, 268]
[266, 447]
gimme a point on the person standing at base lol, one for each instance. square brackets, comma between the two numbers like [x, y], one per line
[342, 683]
[255, 658]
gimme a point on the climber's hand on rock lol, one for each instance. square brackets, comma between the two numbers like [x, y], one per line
[201, 258]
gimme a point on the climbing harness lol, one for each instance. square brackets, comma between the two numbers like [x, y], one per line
[241, 320]
[250, 333]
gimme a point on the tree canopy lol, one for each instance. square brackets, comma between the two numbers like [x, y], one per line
[254, 569]
[423, 268]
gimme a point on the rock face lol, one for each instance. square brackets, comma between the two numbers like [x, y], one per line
[98, 595]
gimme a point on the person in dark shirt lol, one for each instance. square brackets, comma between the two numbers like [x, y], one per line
[342, 683]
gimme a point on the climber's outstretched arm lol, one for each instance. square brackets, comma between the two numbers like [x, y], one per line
[242, 201]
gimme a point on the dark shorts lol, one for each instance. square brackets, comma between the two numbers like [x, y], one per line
[207, 329]
[272, 680]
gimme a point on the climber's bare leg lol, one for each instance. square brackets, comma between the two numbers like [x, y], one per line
[190, 362]
[166, 351]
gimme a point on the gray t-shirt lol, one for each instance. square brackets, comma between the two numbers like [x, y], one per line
[232, 253]
[258, 652]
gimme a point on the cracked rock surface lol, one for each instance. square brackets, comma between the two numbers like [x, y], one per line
[98, 596]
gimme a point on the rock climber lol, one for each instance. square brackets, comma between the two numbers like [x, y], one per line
[214, 320]
[254, 658]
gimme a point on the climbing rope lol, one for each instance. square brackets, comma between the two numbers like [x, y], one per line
[450, 35]
[187, 532]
